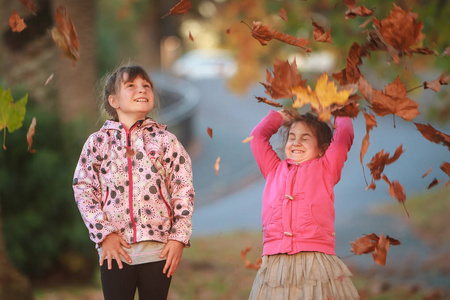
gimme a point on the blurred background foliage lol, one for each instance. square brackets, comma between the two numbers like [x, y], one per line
[43, 231]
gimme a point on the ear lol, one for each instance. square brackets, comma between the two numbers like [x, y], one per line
[324, 148]
[113, 101]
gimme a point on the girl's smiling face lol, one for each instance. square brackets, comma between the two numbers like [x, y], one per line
[301, 144]
[134, 99]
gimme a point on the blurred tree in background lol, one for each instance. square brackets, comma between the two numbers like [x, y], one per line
[43, 231]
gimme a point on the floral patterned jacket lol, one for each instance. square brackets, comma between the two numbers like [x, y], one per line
[137, 183]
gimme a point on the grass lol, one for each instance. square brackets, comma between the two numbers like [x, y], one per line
[213, 269]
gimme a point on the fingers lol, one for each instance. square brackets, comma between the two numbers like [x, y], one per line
[173, 252]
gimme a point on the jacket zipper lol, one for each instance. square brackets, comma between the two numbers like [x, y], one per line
[106, 198]
[130, 183]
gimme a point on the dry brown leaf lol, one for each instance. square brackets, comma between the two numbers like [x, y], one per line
[29, 4]
[356, 11]
[351, 74]
[269, 102]
[427, 172]
[217, 165]
[65, 35]
[180, 8]
[248, 264]
[16, 23]
[320, 35]
[190, 36]
[380, 252]
[433, 183]
[365, 88]
[130, 152]
[30, 134]
[445, 167]
[283, 14]
[210, 132]
[246, 140]
[433, 135]
[378, 246]
[397, 191]
[380, 160]
[228, 30]
[435, 85]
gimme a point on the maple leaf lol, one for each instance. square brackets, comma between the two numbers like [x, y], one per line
[285, 77]
[394, 101]
[400, 29]
[180, 8]
[351, 73]
[380, 160]
[378, 246]
[16, 23]
[397, 191]
[357, 11]
[283, 14]
[29, 4]
[433, 135]
[323, 98]
[320, 35]
[435, 85]
[264, 34]
[217, 165]
[210, 132]
[271, 103]
[30, 134]
[248, 264]
[350, 110]
[246, 140]
[11, 113]
[65, 35]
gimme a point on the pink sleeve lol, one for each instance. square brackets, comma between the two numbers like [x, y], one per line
[342, 141]
[266, 158]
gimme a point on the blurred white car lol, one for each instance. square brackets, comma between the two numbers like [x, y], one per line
[205, 63]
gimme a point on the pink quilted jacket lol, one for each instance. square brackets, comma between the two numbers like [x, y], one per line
[136, 182]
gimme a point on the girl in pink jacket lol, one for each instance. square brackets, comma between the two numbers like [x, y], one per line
[299, 260]
[133, 187]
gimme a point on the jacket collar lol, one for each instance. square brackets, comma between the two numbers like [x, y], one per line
[115, 125]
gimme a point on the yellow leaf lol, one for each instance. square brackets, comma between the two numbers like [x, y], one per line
[324, 99]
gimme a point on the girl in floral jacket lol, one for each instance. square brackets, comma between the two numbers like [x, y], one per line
[133, 187]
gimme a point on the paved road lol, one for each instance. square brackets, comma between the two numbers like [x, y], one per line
[231, 201]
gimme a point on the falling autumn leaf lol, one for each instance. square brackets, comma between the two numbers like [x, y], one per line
[130, 152]
[217, 165]
[16, 23]
[427, 172]
[48, 79]
[269, 102]
[394, 101]
[285, 77]
[264, 34]
[30, 134]
[433, 183]
[180, 8]
[247, 139]
[283, 14]
[435, 85]
[190, 36]
[354, 10]
[247, 262]
[380, 160]
[11, 113]
[210, 132]
[400, 29]
[370, 123]
[397, 191]
[378, 246]
[350, 110]
[322, 98]
[351, 73]
[29, 4]
[445, 167]
[65, 35]
[228, 31]
[365, 88]
[320, 35]
[433, 135]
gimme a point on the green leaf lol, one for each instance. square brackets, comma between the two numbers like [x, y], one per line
[11, 114]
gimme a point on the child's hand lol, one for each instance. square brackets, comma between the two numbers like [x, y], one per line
[112, 247]
[172, 251]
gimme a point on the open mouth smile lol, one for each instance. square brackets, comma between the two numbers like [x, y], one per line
[141, 100]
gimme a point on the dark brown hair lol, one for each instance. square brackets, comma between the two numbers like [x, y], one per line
[321, 130]
[111, 86]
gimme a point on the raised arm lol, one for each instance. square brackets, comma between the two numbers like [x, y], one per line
[262, 150]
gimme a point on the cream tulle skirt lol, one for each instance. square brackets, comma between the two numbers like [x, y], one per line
[305, 275]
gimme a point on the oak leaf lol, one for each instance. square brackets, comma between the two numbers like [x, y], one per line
[30, 134]
[394, 101]
[433, 135]
[16, 23]
[65, 35]
[11, 113]
[357, 11]
[323, 99]
[285, 77]
[320, 35]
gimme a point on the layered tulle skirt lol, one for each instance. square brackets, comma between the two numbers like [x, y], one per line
[305, 275]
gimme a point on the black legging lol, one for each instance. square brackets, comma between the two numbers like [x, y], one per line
[121, 284]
